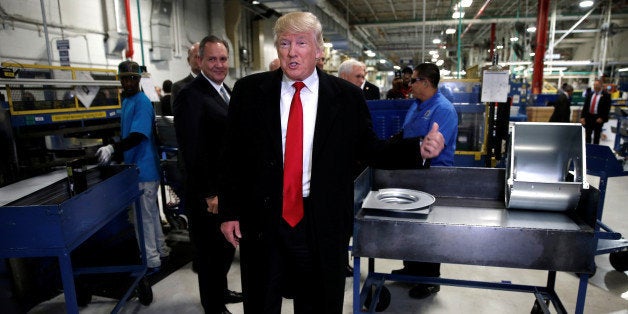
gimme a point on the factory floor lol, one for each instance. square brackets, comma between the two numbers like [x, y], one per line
[607, 291]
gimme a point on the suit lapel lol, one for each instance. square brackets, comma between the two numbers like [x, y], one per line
[270, 93]
[326, 112]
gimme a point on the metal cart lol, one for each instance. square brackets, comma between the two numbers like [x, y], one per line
[602, 162]
[49, 223]
[470, 225]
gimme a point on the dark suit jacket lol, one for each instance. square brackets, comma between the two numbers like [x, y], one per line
[371, 91]
[562, 109]
[254, 173]
[200, 120]
[604, 107]
[177, 86]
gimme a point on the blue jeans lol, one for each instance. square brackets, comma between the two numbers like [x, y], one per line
[154, 240]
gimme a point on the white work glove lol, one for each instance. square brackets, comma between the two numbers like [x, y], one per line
[104, 154]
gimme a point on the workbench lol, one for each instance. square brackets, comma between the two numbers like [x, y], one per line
[50, 223]
[469, 224]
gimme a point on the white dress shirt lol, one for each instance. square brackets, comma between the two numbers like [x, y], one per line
[309, 100]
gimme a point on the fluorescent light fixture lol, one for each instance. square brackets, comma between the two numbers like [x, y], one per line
[500, 47]
[569, 62]
[371, 54]
[440, 62]
[514, 38]
[622, 70]
[382, 61]
[255, 2]
[436, 41]
[457, 15]
[445, 72]
[434, 59]
[396, 67]
[586, 4]
[328, 45]
[466, 3]
[532, 54]
[368, 51]
[531, 29]
[450, 31]
[433, 52]
[435, 56]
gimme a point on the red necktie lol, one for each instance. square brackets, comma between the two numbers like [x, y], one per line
[292, 211]
[593, 103]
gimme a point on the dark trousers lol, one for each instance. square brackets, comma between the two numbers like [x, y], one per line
[290, 272]
[595, 128]
[213, 259]
[422, 269]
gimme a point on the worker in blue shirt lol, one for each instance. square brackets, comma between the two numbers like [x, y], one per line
[430, 107]
[138, 147]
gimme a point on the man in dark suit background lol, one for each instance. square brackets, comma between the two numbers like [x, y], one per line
[194, 71]
[371, 91]
[200, 119]
[595, 111]
[336, 131]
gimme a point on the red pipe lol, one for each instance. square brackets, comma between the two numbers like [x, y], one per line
[539, 53]
[492, 44]
[477, 15]
[129, 49]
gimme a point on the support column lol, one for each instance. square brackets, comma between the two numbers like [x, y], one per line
[539, 53]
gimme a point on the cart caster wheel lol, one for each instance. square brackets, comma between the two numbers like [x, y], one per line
[384, 299]
[537, 309]
[83, 297]
[83, 293]
[180, 223]
[619, 260]
[144, 292]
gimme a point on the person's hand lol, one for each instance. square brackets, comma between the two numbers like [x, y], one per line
[104, 154]
[212, 204]
[582, 121]
[433, 143]
[231, 231]
[599, 121]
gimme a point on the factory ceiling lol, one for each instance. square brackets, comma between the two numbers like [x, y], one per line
[403, 31]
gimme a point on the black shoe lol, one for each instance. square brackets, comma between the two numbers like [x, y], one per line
[233, 297]
[401, 271]
[422, 291]
[348, 271]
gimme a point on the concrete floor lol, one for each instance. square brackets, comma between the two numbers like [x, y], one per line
[607, 290]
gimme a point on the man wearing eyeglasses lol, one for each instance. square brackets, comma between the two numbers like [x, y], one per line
[430, 107]
[137, 147]
[200, 121]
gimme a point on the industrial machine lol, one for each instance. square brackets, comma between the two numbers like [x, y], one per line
[53, 114]
[56, 219]
[500, 220]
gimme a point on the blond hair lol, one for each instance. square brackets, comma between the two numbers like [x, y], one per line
[299, 22]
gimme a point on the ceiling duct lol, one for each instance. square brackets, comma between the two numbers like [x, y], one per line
[160, 23]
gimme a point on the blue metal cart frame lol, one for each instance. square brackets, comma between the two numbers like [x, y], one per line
[55, 230]
[562, 241]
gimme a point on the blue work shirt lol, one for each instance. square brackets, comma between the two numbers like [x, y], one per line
[138, 116]
[422, 115]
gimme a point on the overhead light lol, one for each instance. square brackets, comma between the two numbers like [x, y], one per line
[371, 54]
[586, 4]
[440, 62]
[436, 41]
[328, 45]
[500, 47]
[434, 59]
[532, 54]
[622, 70]
[466, 3]
[255, 2]
[368, 51]
[396, 67]
[450, 31]
[382, 61]
[531, 29]
[433, 52]
[514, 38]
[457, 15]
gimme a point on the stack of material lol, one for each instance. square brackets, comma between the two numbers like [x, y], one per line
[539, 114]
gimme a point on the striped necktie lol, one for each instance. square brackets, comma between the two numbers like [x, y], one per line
[224, 94]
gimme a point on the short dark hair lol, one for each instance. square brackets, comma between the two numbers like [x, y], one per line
[211, 39]
[429, 71]
[406, 70]
[167, 86]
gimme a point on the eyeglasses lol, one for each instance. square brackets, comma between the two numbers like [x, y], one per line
[415, 79]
